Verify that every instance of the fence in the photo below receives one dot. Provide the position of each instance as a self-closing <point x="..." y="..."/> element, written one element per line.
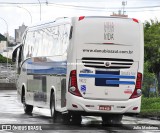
<point x="7" y="73"/>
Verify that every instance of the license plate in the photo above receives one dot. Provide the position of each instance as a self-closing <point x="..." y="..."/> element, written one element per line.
<point x="105" y="107"/>
<point x="102" y="81"/>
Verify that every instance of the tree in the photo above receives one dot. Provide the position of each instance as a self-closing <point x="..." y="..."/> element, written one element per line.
<point x="152" y="48"/>
<point x="148" y="80"/>
<point x="4" y="60"/>
<point x="2" y="38"/>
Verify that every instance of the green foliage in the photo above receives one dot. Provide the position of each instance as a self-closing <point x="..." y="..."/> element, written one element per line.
<point x="148" y="80"/>
<point x="150" y="106"/>
<point x="152" y="49"/>
<point x="4" y="60"/>
<point x="152" y="45"/>
<point x="2" y="38"/>
<point x="150" y="103"/>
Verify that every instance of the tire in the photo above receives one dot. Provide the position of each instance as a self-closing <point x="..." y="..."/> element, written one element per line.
<point x="27" y="108"/>
<point x="76" y="119"/>
<point x="106" y="119"/>
<point x="112" y="119"/>
<point x="54" y="113"/>
<point x="66" y="118"/>
<point x="118" y="119"/>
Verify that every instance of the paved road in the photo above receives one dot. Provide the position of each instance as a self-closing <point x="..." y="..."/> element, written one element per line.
<point x="11" y="112"/>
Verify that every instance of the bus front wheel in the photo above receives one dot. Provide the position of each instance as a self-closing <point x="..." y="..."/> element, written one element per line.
<point x="27" y="108"/>
<point x="54" y="113"/>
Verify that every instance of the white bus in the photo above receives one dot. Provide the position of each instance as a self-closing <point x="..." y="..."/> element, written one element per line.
<point x="82" y="66"/>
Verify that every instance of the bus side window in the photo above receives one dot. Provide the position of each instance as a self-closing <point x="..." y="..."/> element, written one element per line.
<point x="15" y="54"/>
<point x="20" y="54"/>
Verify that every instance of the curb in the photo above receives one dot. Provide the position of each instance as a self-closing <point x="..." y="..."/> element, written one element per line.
<point x="152" y="117"/>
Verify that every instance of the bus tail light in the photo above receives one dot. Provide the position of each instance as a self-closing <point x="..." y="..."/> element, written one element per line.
<point x="73" y="87"/>
<point x="135" y="20"/>
<point x="81" y="18"/>
<point x="137" y="92"/>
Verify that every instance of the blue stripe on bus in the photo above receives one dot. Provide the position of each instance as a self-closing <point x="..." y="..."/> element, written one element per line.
<point x="47" y="71"/>
<point x="53" y="63"/>
<point x="106" y="76"/>
<point x="116" y="82"/>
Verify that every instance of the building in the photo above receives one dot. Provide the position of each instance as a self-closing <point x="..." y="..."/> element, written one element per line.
<point x="3" y="43"/>
<point x="19" y="32"/>
<point x="3" y="46"/>
<point x="8" y="52"/>
<point x="119" y="14"/>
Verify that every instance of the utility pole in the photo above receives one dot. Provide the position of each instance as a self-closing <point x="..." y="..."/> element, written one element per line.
<point x="40" y="8"/>
<point x="7" y="36"/>
<point x="121" y="12"/>
<point x="27" y="11"/>
<point x="124" y="3"/>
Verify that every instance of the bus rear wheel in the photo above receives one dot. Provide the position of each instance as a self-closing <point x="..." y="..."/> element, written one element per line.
<point x="76" y="119"/>
<point x="66" y="118"/>
<point x="112" y="119"/>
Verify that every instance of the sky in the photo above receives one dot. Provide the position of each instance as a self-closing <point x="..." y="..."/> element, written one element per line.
<point x="14" y="13"/>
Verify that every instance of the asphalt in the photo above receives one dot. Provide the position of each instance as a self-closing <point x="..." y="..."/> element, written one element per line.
<point x="12" y="86"/>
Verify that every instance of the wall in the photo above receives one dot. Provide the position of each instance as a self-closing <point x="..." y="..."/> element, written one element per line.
<point x="7" y="86"/>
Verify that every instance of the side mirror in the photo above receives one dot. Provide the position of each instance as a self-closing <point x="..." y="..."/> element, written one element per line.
<point x="14" y="55"/>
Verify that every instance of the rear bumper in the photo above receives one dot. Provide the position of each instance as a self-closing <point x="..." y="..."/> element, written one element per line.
<point x="87" y="106"/>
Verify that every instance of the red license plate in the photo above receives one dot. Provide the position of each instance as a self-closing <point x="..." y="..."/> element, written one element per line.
<point x="105" y="107"/>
